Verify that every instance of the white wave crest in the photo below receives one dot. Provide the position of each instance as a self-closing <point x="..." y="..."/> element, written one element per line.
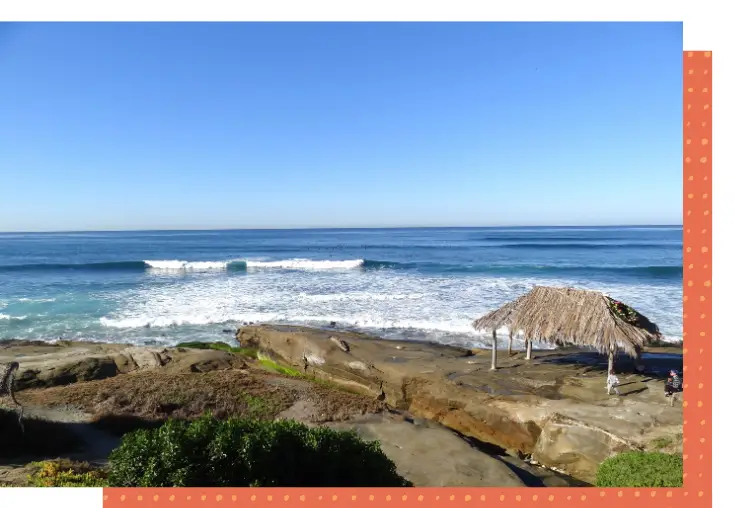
<point x="307" y="264"/>
<point x="8" y="317"/>
<point x="173" y="265"/>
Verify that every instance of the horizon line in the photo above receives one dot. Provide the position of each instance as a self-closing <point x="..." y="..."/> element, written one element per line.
<point x="334" y="228"/>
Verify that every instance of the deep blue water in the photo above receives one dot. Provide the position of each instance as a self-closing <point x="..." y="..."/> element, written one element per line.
<point x="166" y="286"/>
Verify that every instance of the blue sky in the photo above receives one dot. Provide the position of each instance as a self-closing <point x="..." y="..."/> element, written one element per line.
<point x="156" y="126"/>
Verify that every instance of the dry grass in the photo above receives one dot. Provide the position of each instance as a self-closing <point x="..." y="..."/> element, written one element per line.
<point x="129" y="401"/>
<point x="566" y="316"/>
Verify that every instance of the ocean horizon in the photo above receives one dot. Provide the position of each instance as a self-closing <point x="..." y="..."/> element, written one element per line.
<point x="161" y="287"/>
<point x="326" y="228"/>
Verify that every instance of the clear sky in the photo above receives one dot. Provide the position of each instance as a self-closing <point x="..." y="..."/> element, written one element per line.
<point x="157" y="126"/>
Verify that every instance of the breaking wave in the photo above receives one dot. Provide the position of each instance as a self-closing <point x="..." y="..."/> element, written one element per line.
<point x="173" y="265"/>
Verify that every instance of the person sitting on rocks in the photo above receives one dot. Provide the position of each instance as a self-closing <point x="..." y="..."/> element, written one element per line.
<point x="612" y="383"/>
<point x="673" y="384"/>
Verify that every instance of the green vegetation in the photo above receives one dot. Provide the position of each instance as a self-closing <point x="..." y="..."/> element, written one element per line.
<point x="662" y="442"/>
<point x="221" y="346"/>
<point x="275" y="367"/>
<point x="207" y="452"/>
<point x="65" y="473"/>
<point x="288" y="371"/>
<point x="641" y="469"/>
<point x="258" y="407"/>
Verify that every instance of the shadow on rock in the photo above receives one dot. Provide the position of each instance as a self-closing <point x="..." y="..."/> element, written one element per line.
<point x="37" y="438"/>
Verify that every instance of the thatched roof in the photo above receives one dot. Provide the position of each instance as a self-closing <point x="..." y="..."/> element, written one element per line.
<point x="566" y="316"/>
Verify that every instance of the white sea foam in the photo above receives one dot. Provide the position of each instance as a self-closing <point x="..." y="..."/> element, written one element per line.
<point x="307" y="264"/>
<point x="359" y="296"/>
<point x="36" y="300"/>
<point x="389" y="303"/>
<point x="185" y="319"/>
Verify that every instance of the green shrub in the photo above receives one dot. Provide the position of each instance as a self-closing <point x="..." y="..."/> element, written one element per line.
<point x="641" y="469"/>
<point x="207" y="452"/>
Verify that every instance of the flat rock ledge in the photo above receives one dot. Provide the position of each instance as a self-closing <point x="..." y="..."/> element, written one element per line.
<point x="43" y="365"/>
<point x="554" y="409"/>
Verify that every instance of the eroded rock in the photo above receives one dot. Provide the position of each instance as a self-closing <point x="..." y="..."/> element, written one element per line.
<point x="553" y="408"/>
<point x="431" y="456"/>
<point x="46" y="365"/>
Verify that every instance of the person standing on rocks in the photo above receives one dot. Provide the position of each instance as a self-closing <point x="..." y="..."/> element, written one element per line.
<point x="673" y="384"/>
<point x="612" y="383"/>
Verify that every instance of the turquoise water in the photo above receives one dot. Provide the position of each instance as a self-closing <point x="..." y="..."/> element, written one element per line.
<point x="160" y="287"/>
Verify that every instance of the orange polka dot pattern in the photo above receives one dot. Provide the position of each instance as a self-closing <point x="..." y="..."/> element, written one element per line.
<point x="697" y="400"/>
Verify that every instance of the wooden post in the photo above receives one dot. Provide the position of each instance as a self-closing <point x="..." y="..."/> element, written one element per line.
<point x="495" y="351"/>
<point x="610" y="359"/>
<point x="510" y="343"/>
<point x="529" y="348"/>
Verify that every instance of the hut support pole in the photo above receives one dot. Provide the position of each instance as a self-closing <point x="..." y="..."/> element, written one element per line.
<point x="510" y="343"/>
<point x="529" y="348"/>
<point x="495" y="351"/>
<point x="610" y="359"/>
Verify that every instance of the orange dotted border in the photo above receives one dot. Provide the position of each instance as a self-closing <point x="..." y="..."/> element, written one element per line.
<point x="697" y="490"/>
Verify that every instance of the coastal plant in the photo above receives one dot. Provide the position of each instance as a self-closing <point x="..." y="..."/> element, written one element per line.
<point x="276" y="367"/>
<point x="257" y="407"/>
<point x="641" y="469"/>
<point x="662" y="442"/>
<point x="207" y="452"/>
<point x="624" y="312"/>
<point x="65" y="473"/>
<point x="220" y="346"/>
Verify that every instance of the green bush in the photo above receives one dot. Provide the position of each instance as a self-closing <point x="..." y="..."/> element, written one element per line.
<point x="641" y="469"/>
<point x="248" y="453"/>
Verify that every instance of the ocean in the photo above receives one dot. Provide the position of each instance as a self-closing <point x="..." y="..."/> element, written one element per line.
<point x="164" y="287"/>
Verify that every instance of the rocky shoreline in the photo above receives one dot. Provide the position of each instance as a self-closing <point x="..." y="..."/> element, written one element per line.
<point x="439" y="412"/>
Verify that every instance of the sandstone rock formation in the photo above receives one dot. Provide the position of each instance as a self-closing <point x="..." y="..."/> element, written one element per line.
<point x="555" y="409"/>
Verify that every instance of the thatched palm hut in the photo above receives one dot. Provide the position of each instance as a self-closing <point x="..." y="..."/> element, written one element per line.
<point x="566" y="316"/>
